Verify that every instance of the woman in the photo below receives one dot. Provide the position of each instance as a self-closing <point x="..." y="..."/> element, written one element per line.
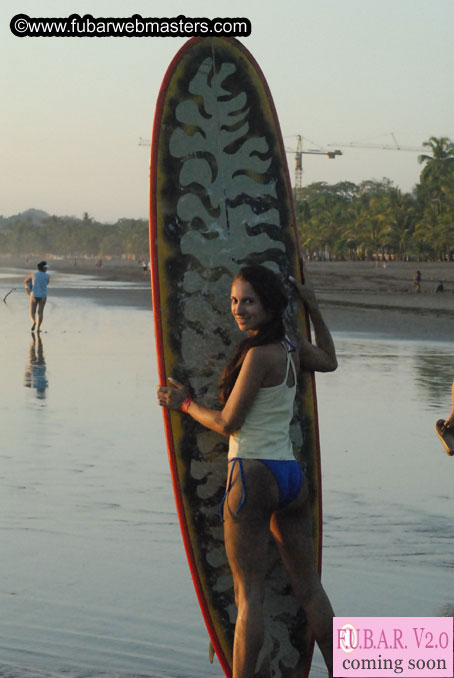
<point x="38" y="295"/>
<point x="266" y="490"/>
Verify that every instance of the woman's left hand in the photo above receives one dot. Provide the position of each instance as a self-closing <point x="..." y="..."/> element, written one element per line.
<point x="306" y="292"/>
<point x="172" y="396"/>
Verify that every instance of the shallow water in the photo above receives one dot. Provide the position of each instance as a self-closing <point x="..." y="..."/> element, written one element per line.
<point x="93" y="577"/>
<point x="387" y="480"/>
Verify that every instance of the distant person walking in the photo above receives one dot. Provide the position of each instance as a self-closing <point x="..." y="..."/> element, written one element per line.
<point x="38" y="294"/>
<point x="417" y="281"/>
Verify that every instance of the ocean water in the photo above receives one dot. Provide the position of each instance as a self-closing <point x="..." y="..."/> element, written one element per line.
<point x="93" y="576"/>
<point x="388" y="483"/>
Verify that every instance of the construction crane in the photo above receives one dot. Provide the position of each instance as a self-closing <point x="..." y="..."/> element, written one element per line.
<point x="384" y="147"/>
<point x="299" y="159"/>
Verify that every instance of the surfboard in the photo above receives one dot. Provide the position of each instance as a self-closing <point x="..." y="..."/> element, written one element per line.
<point x="220" y="197"/>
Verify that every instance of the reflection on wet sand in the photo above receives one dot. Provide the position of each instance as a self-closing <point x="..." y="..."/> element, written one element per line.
<point x="35" y="372"/>
<point x="434" y="373"/>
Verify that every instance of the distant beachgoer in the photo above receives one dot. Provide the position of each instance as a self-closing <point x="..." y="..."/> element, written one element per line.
<point x="417" y="281"/>
<point x="440" y="287"/>
<point x="38" y="296"/>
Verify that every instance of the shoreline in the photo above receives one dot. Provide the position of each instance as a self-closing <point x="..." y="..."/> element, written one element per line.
<point x="114" y="270"/>
<point x="360" y="297"/>
<point x="355" y="297"/>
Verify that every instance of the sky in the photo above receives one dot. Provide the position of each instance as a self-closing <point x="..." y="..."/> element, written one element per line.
<point x="73" y="109"/>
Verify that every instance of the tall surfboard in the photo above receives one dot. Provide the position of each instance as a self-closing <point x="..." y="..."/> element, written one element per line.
<point x="220" y="197"/>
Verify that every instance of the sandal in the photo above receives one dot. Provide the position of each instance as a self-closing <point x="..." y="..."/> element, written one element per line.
<point x="446" y="436"/>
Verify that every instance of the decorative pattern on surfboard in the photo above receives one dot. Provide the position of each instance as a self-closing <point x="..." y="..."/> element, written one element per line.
<point x="221" y="197"/>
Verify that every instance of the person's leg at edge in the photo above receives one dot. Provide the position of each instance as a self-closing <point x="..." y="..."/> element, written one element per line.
<point x="41" y="305"/>
<point x="292" y="529"/>
<point x="246" y="540"/>
<point x="33" y="305"/>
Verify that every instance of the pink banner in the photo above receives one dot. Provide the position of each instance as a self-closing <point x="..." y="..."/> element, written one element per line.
<point x="390" y="646"/>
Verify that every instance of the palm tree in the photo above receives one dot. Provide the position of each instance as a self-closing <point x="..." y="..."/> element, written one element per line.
<point x="435" y="194"/>
<point x="438" y="167"/>
<point x="442" y="149"/>
<point x="405" y="215"/>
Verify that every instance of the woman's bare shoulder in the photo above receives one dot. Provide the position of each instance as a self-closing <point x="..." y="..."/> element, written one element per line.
<point x="267" y="357"/>
<point x="265" y="351"/>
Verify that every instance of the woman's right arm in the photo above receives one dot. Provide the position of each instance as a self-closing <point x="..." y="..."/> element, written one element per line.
<point x="231" y="417"/>
<point x="321" y="356"/>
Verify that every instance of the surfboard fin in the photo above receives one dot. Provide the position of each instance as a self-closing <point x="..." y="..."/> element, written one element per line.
<point x="211" y="652"/>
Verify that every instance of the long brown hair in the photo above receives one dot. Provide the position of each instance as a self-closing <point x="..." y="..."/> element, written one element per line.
<point x="273" y="298"/>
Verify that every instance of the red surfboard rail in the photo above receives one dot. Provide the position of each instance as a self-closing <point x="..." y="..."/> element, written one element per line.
<point x="163" y="377"/>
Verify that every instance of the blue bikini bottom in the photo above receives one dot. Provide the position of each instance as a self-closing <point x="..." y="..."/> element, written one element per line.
<point x="287" y="474"/>
<point x="289" y="478"/>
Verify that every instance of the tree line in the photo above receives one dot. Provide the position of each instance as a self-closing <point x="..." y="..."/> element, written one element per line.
<point x="376" y="219"/>
<point x="335" y="221"/>
<point x="37" y="233"/>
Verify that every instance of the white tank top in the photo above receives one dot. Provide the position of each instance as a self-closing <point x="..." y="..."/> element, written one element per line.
<point x="265" y="431"/>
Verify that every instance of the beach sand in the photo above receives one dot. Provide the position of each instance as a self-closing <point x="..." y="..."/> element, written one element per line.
<point x="360" y="297"/>
<point x="356" y="297"/>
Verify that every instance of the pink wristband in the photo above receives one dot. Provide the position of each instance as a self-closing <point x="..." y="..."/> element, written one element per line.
<point x="185" y="404"/>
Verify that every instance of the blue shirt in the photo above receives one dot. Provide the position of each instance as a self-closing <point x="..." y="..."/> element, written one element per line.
<point x="40" y="282"/>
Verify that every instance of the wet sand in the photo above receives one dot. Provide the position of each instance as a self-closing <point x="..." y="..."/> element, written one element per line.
<point x="122" y="283"/>
<point x="357" y="297"/>
<point x="94" y="581"/>
<point x="360" y="297"/>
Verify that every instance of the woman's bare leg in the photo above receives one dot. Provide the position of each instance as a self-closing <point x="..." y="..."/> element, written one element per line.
<point x="246" y="539"/>
<point x="292" y="530"/>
